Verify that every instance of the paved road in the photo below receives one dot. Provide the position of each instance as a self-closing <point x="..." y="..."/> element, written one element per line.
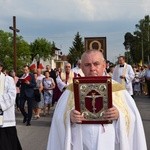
<point x="35" y="137"/>
<point x="143" y="104"/>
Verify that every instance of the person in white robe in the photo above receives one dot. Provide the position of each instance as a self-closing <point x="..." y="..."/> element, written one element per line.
<point x="8" y="133"/>
<point x="124" y="74"/>
<point x="78" y="69"/>
<point x="125" y="133"/>
<point x="65" y="77"/>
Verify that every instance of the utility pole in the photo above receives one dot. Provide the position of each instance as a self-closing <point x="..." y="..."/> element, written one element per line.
<point x="142" y="50"/>
<point x="14" y="42"/>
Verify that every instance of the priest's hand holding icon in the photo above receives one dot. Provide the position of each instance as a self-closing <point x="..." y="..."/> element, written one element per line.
<point x="111" y="114"/>
<point x="76" y="116"/>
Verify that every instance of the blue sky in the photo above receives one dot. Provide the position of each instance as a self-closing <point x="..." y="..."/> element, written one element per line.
<point x="60" y="20"/>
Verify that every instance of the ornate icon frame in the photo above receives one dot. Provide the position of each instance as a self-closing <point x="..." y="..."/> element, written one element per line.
<point x="93" y="96"/>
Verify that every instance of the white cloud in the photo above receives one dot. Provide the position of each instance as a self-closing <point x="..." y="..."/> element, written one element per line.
<point x="87" y="8"/>
<point x="59" y="20"/>
<point x="70" y="10"/>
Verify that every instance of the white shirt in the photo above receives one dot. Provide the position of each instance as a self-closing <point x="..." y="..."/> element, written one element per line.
<point x="7" y="102"/>
<point x="129" y="74"/>
<point x="40" y="77"/>
<point x="78" y="70"/>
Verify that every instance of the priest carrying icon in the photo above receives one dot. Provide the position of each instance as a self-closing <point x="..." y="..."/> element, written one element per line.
<point x="124" y="133"/>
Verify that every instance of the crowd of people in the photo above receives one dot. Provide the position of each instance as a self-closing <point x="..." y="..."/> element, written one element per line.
<point x="33" y="94"/>
<point x="38" y="91"/>
<point x="138" y="76"/>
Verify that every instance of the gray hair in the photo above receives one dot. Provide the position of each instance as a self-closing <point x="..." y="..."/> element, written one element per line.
<point x="91" y="50"/>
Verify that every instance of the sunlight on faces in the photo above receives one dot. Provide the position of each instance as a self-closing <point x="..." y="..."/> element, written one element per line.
<point x="93" y="63"/>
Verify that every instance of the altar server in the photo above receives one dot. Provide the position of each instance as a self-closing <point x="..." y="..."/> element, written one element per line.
<point x="124" y="74"/>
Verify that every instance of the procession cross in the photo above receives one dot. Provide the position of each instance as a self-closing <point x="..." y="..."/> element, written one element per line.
<point x="15" y="30"/>
<point x="93" y="97"/>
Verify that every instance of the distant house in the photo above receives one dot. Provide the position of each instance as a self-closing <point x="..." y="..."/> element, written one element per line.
<point x="59" y="60"/>
<point x="56" y="61"/>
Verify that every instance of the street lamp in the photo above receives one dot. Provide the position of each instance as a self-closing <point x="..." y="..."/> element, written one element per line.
<point x="14" y="41"/>
<point x="142" y="50"/>
<point x="148" y="21"/>
<point x="145" y="26"/>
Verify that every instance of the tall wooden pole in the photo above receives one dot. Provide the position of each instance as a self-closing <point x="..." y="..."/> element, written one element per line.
<point x="14" y="42"/>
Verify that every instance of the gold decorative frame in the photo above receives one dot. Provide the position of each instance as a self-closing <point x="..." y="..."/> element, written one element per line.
<point x="93" y="96"/>
<point x="98" y="43"/>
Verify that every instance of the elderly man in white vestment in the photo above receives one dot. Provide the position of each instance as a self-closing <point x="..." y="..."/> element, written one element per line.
<point x="78" y="69"/>
<point x="125" y="133"/>
<point x="124" y="74"/>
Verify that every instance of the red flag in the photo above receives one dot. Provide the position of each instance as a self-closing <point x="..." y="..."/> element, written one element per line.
<point x="33" y="65"/>
<point x="41" y="66"/>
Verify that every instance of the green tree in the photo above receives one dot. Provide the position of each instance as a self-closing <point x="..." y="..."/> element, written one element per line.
<point x="143" y="35"/>
<point x="76" y="50"/>
<point x="7" y="53"/>
<point x="139" y="41"/>
<point x="24" y="53"/>
<point x="41" y="48"/>
<point x="132" y="51"/>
